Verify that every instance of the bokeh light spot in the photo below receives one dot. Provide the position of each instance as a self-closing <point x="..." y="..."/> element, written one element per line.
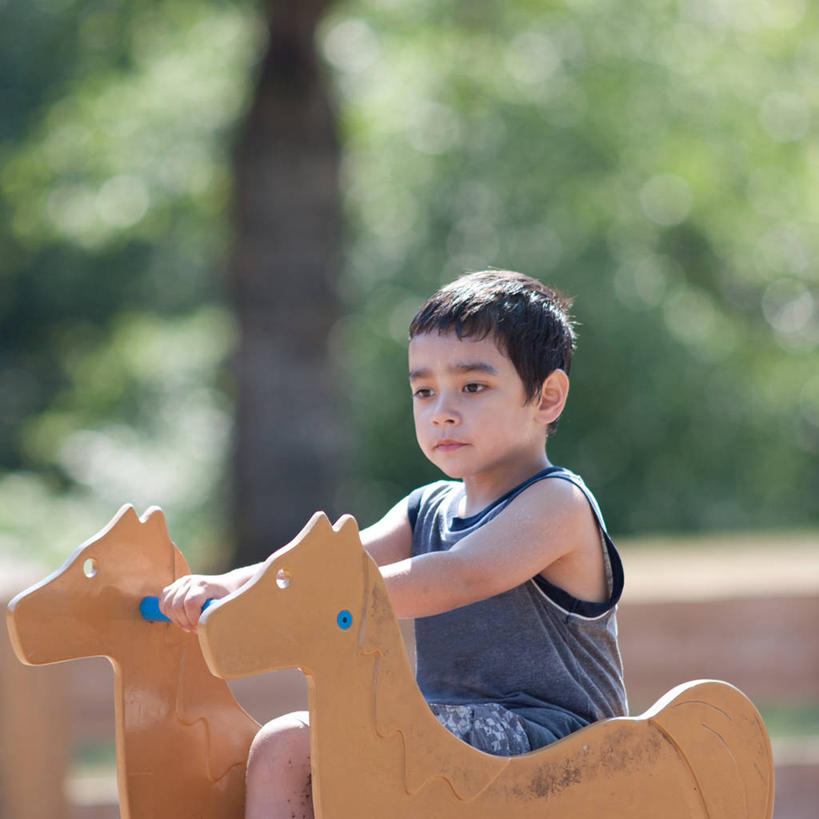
<point x="785" y="116"/>
<point x="790" y="309"/>
<point x="351" y="46"/>
<point x="666" y="199"/>
<point x="122" y="201"/>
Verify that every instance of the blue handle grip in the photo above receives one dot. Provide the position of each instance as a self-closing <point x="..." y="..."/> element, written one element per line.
<point x="149" y="609"/>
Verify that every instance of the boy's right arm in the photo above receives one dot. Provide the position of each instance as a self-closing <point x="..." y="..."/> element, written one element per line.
<point x="387" y="541"/>
<point x="182" y="600"/>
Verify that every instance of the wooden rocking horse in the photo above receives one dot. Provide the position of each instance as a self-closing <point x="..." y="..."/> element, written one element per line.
<point x="377" y="751"/>
<point x="320" y="604"/>
<point x="182" y="739"/>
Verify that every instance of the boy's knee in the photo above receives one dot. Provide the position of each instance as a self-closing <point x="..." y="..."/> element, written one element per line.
<point x="280" y="746"/>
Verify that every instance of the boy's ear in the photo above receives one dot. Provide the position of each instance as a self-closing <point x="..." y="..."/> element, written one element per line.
<point x="553" y="395"/>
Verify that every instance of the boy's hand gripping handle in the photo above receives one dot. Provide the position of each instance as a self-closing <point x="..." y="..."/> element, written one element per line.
<point x="149" y="609"/>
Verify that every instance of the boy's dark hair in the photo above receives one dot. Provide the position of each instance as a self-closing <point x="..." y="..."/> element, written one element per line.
<point x="529" y="321"/>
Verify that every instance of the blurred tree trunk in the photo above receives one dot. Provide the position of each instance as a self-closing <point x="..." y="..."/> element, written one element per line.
<point x="283" y="275"/>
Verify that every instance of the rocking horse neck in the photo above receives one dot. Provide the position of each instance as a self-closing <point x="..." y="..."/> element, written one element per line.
<point x="145" y="677"/>
<point x="349" y="697"/>
<point x="146" y="662"/>
<point x="325" y="691"/>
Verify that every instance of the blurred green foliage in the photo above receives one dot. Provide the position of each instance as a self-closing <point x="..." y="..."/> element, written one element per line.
<point x="659" y="163"/>
<point x="115" y="129"/>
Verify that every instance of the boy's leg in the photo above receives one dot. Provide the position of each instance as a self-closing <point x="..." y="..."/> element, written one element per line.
<point x="278" y="770"/>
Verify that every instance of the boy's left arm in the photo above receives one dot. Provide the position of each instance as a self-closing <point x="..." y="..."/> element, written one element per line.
<point x="390" y="539"/>
<point x="550" y="521"/>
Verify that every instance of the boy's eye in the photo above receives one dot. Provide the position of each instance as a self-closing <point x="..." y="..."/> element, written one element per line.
<point x="422" y="392"/>
<point x="474" y="387"/>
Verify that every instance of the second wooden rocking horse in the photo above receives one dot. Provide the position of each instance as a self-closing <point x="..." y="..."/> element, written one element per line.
<point x="320" y="604"/>
<point x="182" y="739"/>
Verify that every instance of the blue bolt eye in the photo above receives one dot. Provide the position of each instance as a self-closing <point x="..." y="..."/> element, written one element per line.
<point x="344" y="619"/>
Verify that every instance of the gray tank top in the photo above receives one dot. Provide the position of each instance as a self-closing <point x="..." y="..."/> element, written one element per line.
<point x="535" y="649"/>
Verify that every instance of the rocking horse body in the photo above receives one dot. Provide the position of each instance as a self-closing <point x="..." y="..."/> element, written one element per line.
<point x="182" y="739"/>
<point x="377" y="750"/>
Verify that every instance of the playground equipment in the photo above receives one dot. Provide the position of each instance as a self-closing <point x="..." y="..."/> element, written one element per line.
<point x="182" y="739"/>
<point x="321" y="605"/>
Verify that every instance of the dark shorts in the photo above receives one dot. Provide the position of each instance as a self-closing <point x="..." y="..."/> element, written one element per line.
<point x="488" y="727"/>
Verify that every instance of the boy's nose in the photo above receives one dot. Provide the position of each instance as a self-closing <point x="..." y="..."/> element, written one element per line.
<point x="445" y="414"/>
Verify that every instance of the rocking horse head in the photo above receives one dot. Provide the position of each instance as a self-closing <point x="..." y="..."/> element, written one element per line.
<point x="306" y="608"/>
<point x="89" y="607"/>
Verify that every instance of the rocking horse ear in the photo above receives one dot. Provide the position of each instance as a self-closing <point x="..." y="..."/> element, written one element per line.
<point x="316" y="529"/>
<point x="125" y="518"/>
<point x="319" y="524"/>
<point x="347" y="527"/>
<point x="155" y="530"/>
<point x="154" y="522"/>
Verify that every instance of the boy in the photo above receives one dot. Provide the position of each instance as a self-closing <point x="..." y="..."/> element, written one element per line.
<point x="509" y="572"/>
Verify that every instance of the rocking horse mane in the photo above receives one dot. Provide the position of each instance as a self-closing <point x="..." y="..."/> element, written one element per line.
<point x="399" y="707"/>
<point x="220" y="738"/>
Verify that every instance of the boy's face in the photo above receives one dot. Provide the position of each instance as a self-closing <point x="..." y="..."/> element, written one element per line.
<point x="470" y="410"/>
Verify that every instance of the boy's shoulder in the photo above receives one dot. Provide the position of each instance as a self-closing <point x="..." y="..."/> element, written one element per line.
<point x="428" y="493"/>
<point x="554" y="490"/>
<point x="567" y="492"/>
<point x="555" y="493"/>
<point x="560" y="494"/>
<point x="434" y="488"/>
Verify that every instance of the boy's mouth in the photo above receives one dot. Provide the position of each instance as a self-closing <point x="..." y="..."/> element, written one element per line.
<point x="448" y="445"/>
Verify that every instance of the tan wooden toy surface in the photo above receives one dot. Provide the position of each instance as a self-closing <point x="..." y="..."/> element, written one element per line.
<point x="182" y="740"/>
<point x="378" y="751"/>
